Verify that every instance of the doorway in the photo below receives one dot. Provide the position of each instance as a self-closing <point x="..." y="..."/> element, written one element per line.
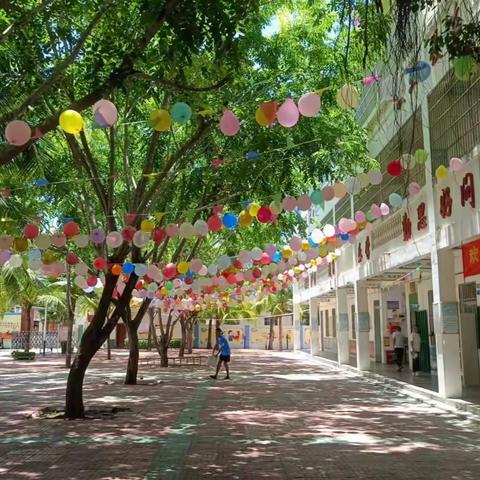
<point x="377" y="325"/>
<point x="421" y="321"/>
<point x="121" y="335"/>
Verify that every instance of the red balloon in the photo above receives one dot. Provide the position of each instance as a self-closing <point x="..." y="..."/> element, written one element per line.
<point x="232" y="279"/>
<point x="264" y="214"/>
<point x="130" y="218"/>
<point x="214" y="223"/>
<point x="128" y="233"/>
<point x="31" y="231"/>
<point x="139" y="285"/>
<point x="265" y="259"/>
<point x="169" y="271"/>
<point x="188" y="280"/>
<point x="100" y="263"/>
<point x="394" y="168"/>
<point x="159" y="235"/>
<point x="237" y="264"/>
<point x="91" y="281"/>
<point x="257" y="273"/>
<point x="71" y="229"/>
<point x="71" y="258"/>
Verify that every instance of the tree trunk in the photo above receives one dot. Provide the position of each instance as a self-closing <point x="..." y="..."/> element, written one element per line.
<point x="70" y="320"/>
<point x="271" y="334"/>
<point x="183" y="343"/>
<point x="190" y="338"/>
<point x="163" y="353"/>
<point x="209" y="339"/>
<point x="280" y="334"/>
<point x="109" y="350"/>
<point x="26" y="322"/>
<point x="133" y="355"/>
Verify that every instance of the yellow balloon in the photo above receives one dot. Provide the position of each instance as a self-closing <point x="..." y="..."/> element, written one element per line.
<point x="253" y="209"/>
<point x="70" y="121"/>
<point x="197" y="307"/>
<point x="276" y="207"/>
<point x="441" y="172"/>
<point x="323" y="252"/>
<point x="20" y="244"/>
<point x="286" y="252"/>
<point x="305" y="245"/>
<point x="244" y="219"/>
<point x="160" y="120"/>
<point x="147" y="226"/>
<point x="159" y="216"/>
<point x="261" y="118"/>
<point x="182" y="267"/>
<point x="163" y="291"/>
<point x="48" y="257"/>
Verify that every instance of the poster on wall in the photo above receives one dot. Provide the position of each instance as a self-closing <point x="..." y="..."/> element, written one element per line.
<point x="471" y="258"/>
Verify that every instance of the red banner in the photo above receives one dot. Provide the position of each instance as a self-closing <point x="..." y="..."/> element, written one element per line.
<point x="471" y="258"/>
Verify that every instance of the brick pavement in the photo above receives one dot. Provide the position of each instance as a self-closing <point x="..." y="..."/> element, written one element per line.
<point x="281" y="417"/>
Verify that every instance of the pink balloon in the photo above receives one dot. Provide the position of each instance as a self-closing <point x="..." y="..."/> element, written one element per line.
<point x="171" y="229"/>
<point x="296" y="244"/>
<point x="304" y="202"/>
<point x="344" y="225"/>
<point x="270" y="249"/>
<point x="195" y="265"/>
<point x="384" y="209"/>
<point x="360" y="217"/>
<point x="309" y="104"/>
<point x="289" y="203"/>
<point x="288" y="114"/>
<point x="457" y="165"/>
<point x="18" y="132"/>
<point x="375" y="210"/>
<point x="328" y="193"/>
<point x="105" y="113"/>
<point x="414" y="189"/>
<point x="229" y="123"/>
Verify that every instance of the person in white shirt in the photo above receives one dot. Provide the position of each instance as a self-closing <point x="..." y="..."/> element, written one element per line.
<point x="399" y="346"/>
<point x="415" y="350"/>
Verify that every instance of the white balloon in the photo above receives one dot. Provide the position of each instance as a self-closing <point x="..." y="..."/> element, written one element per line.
<point x="15" y="261"/>
<point x="81" y="241"/>
<point x="256" y="253"/>
<point x="186" y="230"/>
<point x="363" y="179"/>
<point x="140" y="269"/>
<point x="224" y="262"/>
<point x="81" y="282"/>
<point x="140" y="239"/>
<point x="43" y="241"/>
<point x="375" y="176"/>
<point x="317" y="235"/>
<point x="114" y="239"/>
<point x="201" y="228"/>
<point x="212" y="270"/>
<point x="34" y="264"/>
<point x="81" y="269"/>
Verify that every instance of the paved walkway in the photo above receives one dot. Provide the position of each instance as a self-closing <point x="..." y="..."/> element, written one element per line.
<point x="281" y="417"/>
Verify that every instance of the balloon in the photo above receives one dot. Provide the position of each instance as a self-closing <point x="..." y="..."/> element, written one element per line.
<point x="31" y="231"/>
<point x="20" y="244"/>
<point x="100" y="263"/>
<point x="457" y="165"/>
<point x="384" y="209"/>
<point x="276" y="207"/>
<point x="201" y="228"/>
<point x="229" y="124"/>
<point x="59" y="240"/>
<point x="81" y="282"/>
<point x="339" y="190"/>
<point x="98" y="236"/>
<point x="304" y="202"/>
<point x="288" y="114"/>
<point x="186" y="230"/>
<point x="256" y="253"/>
<point x="140" y="239"/>
<point x="159" y="235"/>
<point x="421" y="156"/>
<point x="265" y="259"/>
<point x="71" y="229"/>
<point x="230" y="220"/>
<point x="360" y="217"/>
<point x="18" y="133"/>
<point x="195" y="265"/>
<point x="414" y="189"/>
<point x="182" y="267"/>
<point x="441" y="173"/>
<point x="465" y="68"/>
<point x="214" y="223"/>
<point x="375" y="211"/>
<point x="286" y="252"/>
<point x="253" y="209"/>
<point x="264" y="214"/>
<point x="420" y="72"/>
<point x="245" y="219"/>
<point x="395" y="200"/>
<point x="105" y="113"/>
<point x="224" y="262"/>
<point x="169" y="271"/>
<point x="317" y="235"/>
<point x="363" y="179"/>
<point x="316" y="197"/>
<point x="116" y="269"/>
<point x="309" y="104"/>
<point x="81" y="241"/>
<point x="252" y="155"/>
<point x="160" y="120"/>
<point x="394" y="168"/>
<point x="147" y="226"/>
<point x="128" y="233"/>
<point x="329" y="231"/>
<point x="348" y="97"/>
<point x="407" y="161"/>
<point x="289" y="203"/>
<point x="181" y="112"/>
<point x="328" y="193"/>
<point x="71" y="121"/>
<point x="266" y="113"/>
<point x="114" y="239"/>
<point x="375" y="177"/>
<point x="171" y="230"/>
<point x="344" y="225"/>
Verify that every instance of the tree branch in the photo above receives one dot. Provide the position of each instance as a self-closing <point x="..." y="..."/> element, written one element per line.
<point x="177" y="86"/>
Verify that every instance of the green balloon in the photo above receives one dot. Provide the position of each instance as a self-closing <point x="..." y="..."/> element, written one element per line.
<point x="465" y="68"/>
<point x="168" y="285"/>
<point x="421" y="156"/>
<point x="317" y="197"/>
<point x="370" y="216"/>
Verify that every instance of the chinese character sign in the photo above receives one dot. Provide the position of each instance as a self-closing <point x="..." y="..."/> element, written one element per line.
<point x="422" y="217"/>
<point x="471" y="258"/>
<point x="446" y="203"/>
<point x="467" y="190"/>
<point x="407" y="228"/>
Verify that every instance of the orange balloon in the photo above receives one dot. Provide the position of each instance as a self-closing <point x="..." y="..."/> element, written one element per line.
<point x="269" y="110"/>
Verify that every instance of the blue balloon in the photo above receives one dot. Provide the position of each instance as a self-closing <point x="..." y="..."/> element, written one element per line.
<point x="41" y="182"/>
<point x="420" y="72"/>
<point x="344" y="236"/>
<point x="190" y="274"/>
<point x="128" y="268"/>
<point x="276" y="257"/>
<point x="181" y="112"/>
<point x="311" y="242"/>
<point x="252" y="155"/>
<point x="230" y="220"/>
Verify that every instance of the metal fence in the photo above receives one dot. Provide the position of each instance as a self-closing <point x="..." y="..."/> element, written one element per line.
<point x="24" y="340"/>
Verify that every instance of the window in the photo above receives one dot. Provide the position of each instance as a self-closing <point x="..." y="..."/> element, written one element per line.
<point x="267" y="320"/>
<point x="17" y="309"/>
<point x="334" y="324"/>
<point x="354" y="334"/>
<point x="327" y="324"/>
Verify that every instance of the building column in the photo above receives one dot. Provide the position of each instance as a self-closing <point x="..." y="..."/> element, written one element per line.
<point x="446" y="321"/>
<point x="362" y="325"/>
<point x="383" y="321"/>
<point x="314" y="326"/>
<point x="342" y="327"/>
<point x="409" y="322"/>
<point x="296" y="327"/>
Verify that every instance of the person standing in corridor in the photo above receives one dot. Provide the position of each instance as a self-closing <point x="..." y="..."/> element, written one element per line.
<point x="415" y="350"/>
<point x="399" y="346"/>
<point x="223" y="348"/>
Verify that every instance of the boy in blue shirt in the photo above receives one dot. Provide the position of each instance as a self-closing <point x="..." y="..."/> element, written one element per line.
<point x="223" y="349"/>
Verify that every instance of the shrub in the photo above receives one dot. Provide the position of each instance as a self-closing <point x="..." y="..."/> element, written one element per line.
<point x="17" y="355"/>
<point x="143" y="344"/>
